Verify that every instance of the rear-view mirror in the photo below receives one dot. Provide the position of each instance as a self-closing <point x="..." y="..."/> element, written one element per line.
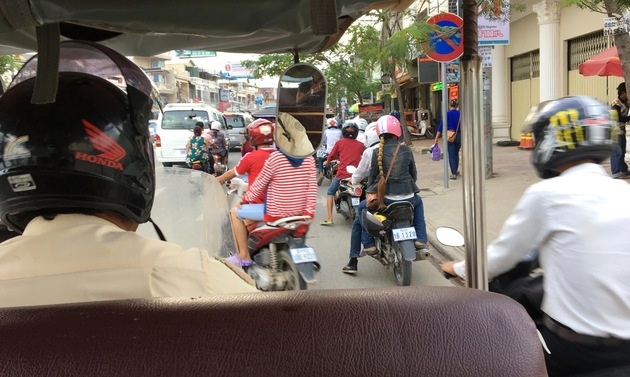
<point x="301" y="110"/>
<point x="449" y="237"/>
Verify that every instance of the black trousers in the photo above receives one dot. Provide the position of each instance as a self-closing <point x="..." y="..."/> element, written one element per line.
<point x="567" y="358"/>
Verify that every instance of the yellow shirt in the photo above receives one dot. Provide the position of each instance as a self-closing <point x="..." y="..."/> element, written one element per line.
<point x="79" y="258"/>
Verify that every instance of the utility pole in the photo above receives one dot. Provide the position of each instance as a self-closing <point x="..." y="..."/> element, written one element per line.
<point x="473" y="147"/>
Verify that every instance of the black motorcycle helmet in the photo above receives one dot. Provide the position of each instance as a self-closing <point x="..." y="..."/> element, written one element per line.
<point x="569" y="129"/>
<point x="89" y="150"/>
<point x="350" y="130"/>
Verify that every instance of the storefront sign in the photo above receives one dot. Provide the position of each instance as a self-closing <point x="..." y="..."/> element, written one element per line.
<point x="452" y="71"/>
<point x="493" y="25"/>
<point x="436" y="87"/>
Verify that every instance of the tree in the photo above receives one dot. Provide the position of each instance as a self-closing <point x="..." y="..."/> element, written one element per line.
<point x="8" y="65"/>
<point x="343" y="78"/>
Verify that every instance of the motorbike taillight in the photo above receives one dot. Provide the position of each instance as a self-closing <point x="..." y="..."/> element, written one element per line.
<point x="301" y="230"/>
<point x="358" y="191"/>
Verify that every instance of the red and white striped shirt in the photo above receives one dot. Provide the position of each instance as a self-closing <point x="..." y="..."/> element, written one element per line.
<point x="291" y="191"/>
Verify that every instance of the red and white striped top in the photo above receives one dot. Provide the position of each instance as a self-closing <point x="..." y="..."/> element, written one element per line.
<point x="291" y="191"/>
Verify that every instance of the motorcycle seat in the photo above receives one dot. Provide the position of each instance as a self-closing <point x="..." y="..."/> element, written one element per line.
<point x="285" y="220"/>
<point x="399" y="210"/>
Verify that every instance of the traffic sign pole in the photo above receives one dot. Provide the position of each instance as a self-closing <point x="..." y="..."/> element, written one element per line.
<point x="445" y="123"/>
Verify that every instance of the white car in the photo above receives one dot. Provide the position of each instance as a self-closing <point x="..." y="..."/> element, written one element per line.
<point x="176" y="126"/>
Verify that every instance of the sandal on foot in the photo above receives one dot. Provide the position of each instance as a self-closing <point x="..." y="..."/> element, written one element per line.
<point x="326" y="223"/>
<point x="237" y="261"/>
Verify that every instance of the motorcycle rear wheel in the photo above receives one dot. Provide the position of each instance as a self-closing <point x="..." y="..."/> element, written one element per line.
<point x="286" y="264"/>
<point x="402" y="267"/>
<point x="429" y="133"/>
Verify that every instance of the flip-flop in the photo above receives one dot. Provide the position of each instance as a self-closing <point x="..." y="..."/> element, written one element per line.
<point x="326" y="223"/>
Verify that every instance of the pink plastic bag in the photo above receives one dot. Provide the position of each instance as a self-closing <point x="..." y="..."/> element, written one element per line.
<point x="435" y="152"/>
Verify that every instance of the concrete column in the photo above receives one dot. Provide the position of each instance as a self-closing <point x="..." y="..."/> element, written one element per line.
<point x="500" y="91"/>
<point x="548" y="13"/>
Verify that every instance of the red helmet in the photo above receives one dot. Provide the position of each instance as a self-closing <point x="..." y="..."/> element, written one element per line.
<point x="260" y="131"/>
<point x="388" y="124"/>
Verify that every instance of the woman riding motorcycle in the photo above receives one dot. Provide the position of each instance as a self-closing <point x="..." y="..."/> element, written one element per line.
<point x="401" y="184"/>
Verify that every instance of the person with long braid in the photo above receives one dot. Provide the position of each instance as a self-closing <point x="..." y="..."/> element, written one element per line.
<point x="401" y="184"/>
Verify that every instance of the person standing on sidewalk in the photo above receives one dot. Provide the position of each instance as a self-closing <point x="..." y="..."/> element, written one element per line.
<point x="618" y="166"/>
<point x="573" y="218"/>
<point x="452" y="124"/>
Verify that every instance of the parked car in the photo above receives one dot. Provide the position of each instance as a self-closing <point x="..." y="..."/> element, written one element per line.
<point x="176" y="126"/>
<point x="237" y="127"/>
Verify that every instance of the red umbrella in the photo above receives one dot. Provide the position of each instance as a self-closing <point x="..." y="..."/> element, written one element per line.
<point x="606" y="63"/>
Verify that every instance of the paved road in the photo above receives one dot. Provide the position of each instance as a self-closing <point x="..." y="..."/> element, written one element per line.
<point x="331" y="243"/>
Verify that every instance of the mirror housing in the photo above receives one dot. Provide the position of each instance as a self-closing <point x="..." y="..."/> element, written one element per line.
<point x="301" y="112"/>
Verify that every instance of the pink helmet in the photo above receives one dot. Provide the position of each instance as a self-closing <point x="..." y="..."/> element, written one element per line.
<point x="388" y="124"/>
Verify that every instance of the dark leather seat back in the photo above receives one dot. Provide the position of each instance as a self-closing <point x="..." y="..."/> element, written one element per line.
<point x="423" y="331"/>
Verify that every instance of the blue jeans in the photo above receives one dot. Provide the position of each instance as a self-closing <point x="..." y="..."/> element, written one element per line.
<point x="453" y="153"/>
<point x="320" y="164"/>
<point x="334" y="186"/>
<point x="418" y="222"/>
<point x="357" y="233"/>
<point x="617" y="159"/>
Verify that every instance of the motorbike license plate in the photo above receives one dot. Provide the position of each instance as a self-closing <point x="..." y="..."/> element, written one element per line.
<point x="303" y="255"/>
<point x="355" y="201"/>
<point x="402" y="234"/>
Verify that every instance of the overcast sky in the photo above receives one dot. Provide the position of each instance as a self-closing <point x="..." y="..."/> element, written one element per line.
<point x="217" y="63"/>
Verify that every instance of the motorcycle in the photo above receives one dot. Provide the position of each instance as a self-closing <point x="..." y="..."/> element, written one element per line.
<point x="219" y="168"/>
<point x="282" y="260"/>
<point x="394" y="236"/>
<point x="330" y="171"/>
<point x="348" y="197"/>
<point x="523" y="282"/>
<point x="422" y="128"/>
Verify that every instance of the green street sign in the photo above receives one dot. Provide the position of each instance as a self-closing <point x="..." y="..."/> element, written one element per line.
<point x="195" y="53"/>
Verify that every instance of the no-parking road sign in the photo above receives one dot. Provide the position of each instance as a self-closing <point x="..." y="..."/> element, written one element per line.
<point x="447" y="44"/>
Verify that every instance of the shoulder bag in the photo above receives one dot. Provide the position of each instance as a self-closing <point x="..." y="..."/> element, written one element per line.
<point x="450" y="134"/>
<point x="376" y="200"/>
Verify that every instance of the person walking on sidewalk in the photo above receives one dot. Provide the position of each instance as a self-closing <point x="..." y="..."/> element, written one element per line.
<point x="573" y="218"/>
<point x="453" y="123"/>
<point x="618" y="166"/>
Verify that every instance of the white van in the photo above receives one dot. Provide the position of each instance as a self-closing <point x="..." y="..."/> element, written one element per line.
<point x="176" y="126"/>
<point x="237" y="127"/>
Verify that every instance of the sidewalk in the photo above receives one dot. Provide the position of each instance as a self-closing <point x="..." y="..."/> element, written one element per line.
<point x="512" y="174"/>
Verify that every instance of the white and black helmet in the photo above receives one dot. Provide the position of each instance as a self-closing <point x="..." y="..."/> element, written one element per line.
<point x="570" y="129"/>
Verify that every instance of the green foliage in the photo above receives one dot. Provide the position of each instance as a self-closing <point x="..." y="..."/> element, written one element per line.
<point x="8" y="65"/>
<point x="595" y="5"/>
<point x="269" y="65"/>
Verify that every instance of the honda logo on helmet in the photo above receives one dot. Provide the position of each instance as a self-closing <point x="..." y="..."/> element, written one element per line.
<point x="111" y="154"/>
